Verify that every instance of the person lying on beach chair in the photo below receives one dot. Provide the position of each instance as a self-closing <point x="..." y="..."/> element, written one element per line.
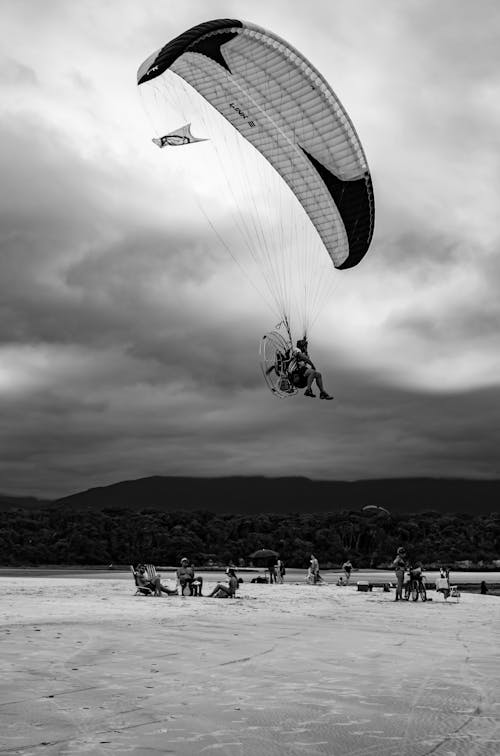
<point x="226" y="590"/>
<point x="142" y="588"/>
<point x="146" y="576"/>
<point x="187" y="579"/>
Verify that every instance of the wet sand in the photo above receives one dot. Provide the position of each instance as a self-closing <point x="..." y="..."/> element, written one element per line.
<point x="87" y="667"/>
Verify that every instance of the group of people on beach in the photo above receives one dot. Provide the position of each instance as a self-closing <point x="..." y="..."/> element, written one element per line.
<point x="313" y="576"/>
<point x="402" y="565"/>
<point x="276" y="569"/>
<point x="187" y="582"/>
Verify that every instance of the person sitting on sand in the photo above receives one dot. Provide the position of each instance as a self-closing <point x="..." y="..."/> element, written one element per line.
<point x="226" y="590"/>
<point x="186" y="578"/>
<point x="154" y="584"/>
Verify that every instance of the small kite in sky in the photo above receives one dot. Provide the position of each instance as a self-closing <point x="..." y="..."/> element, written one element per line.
<point x="178" y="137"/>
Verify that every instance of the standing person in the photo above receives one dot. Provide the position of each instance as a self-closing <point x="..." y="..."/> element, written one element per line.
<point x="271" y="566"/>
<point x="315" y="569"/>
<point x="347" y="567"/>
<point x="484" y="588"/>
<point x="280" y="570"/>
<point x="400" y="565"/>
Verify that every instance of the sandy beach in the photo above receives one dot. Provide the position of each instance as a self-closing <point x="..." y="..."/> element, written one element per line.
<point x="88" y="667"/>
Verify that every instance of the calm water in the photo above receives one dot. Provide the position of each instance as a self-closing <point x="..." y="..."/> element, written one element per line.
<point x="292" y="575"/>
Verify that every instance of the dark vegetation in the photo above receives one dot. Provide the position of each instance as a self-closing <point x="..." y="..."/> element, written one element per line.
<point x="222" y="520"/>
<point x="60" y="535"/>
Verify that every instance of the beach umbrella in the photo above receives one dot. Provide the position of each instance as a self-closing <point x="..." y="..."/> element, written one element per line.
<point x="263" y="554"/>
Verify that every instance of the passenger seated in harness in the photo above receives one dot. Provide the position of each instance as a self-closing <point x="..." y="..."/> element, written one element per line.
<point x="303" y="373"/>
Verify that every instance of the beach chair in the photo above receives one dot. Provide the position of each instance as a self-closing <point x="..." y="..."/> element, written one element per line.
<point x="454" y="592"/>
<point x="141" y="589"/>
<point x="196" y="586"/>
<point x="151" y="572"/>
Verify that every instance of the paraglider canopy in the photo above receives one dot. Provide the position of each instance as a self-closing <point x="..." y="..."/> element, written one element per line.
<point x="277" y="100"/>
<point x="263" y="554"/>
<point x="374" y="508"/>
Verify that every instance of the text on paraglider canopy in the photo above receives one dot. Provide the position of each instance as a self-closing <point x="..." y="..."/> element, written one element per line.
<point x="242" y="114"/>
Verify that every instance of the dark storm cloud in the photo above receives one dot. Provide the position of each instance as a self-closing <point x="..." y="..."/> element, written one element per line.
<point x="129" y="339"/>
<point x="74" y="269"/>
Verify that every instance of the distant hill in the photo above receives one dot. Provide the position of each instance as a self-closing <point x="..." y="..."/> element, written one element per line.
<point x="22" y="502"/>
<point x="251" y="495"/>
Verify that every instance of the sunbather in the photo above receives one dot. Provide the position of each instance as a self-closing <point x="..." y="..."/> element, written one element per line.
<point x="154" y="584"/>
<point x="226" y="590"/>
<point x="186" y="578"/>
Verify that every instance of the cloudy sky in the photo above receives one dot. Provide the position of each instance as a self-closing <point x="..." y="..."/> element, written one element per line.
<point x="129" y="339"/>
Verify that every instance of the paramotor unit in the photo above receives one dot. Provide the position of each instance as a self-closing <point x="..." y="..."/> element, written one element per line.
<point x="275" y="355"/>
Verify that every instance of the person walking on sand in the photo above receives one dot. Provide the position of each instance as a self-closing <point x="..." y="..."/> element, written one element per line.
<point x="280" y="570"/>
<point x="399" y="565"/>
<point x="347" y="567"/>
<point x="315" y="569"/>
<point x="271" y="566"/>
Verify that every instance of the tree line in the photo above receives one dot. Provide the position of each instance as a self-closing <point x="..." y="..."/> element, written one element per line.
<point x="61" y="537"/>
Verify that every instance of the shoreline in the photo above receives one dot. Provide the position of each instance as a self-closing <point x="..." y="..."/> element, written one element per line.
<point x="218" y="568"/>
<point x="464" y="580"/>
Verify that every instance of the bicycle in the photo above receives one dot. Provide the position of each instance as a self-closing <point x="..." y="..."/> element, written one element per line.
<point x="415" y="585"/>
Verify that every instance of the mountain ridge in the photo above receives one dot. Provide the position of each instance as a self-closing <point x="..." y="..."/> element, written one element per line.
<point x="261" y="494"/>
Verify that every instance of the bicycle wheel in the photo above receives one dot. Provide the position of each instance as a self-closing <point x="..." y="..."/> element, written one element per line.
<point x="414" y="591"/>
<point x="423" y="592"/>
